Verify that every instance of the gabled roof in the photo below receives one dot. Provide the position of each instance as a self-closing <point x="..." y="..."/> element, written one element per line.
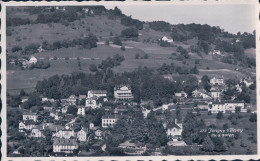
<point x="171" y="125"/>
<point x="28" y="122"/>
<point x="98" y="91"/>
<point x="117" y="87"/>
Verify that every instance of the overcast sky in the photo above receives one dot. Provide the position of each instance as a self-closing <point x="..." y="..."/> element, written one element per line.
<point x="231" y="18"/>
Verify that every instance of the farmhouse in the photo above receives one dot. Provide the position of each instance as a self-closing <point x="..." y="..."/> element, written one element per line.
<point x="30" y="116"/>
<point x="181" y="94"/>
<point x="97" y="93"/>
<point x="198" y="93"/>
<point x="109" y="120"/>
<point x="64" y="145"/>
<point x="123" y="92"/>
<point x="82" y="134"/>
<point x="166" y="39"/>
<point x="32" y="60"/>
<point x="217" y="81"/>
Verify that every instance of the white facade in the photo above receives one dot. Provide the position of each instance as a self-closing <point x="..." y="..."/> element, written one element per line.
<point x="219" y="81"/>
<point x="32" y="60"/>
<point x="91" y="102"/>
<point x="30" y="116"/>
<point x="81" y="111"/>
<point x="217" y="107"/>
<point x="25" y="126"/>
<point x="108" y="121"/>
<point x="123" y="93"/>
<point x="226" y="106"/>
<point x="231" y="106"/>
<point x="181" y="94"/>
<point x="200" y="94"/>
<point x="166" y="39"/>
<point x="175" y="130"/>
<point x="98" y="134"/>
<point x="97" y="93"/>
<point x="65" y="133"/>
<point x="82" y="135"/>
<point x="36" y="133"/>
<point x="215" y="94"/>
<point x="64" y="145"/>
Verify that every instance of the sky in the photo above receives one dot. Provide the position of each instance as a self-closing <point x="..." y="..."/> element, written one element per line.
<point x="230" y="17"/>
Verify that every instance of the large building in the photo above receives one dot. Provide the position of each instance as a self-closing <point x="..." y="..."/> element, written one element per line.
<point x="62" y="145"/>
<point x="97" y="93"/>
<point x="231" y="106"/>
<point x="217" y="81"/>
<point x="123" y="92"/>
<point x="30" y="116"/>
<point x="92" y="102"/>
<point x="109" y="120"/>
<point x="66" y="133"/>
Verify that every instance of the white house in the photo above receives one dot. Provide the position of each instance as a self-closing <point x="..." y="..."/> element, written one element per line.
<point x="82" y="134"/>
<point x="215" y="94"/>
<point x="26" y="125"/>
<point x="32" y="60"/>
<point x="123" y="92"/>
<point x="81" y="111"/>
<point x="36" y="132"/>
<point x="24" y="99"/>
<point x="66" y="133"/>
<point x="247" y="82"/>
<point x="92" y="102"/>
<point x="109" y="120"/>
<point x="217" y="81"/>
<point x="231" y="106"/>
<point x="132" y="148"/>
<point x="215" y="52"/>
<point x="215" y="107"/>
<point x="97" y="93"/>
<point x="64" y="145"/>
<point x="174" y="130"/>
<point x="72" y="99"/>
<point x="30" y="116"/>
<point x="98" y="134"/>
<point x="181" y="94"/>
<point x="200" y="94"/>
<point x="166" y="39"/>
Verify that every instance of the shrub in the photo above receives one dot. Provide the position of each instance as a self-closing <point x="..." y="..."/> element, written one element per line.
<point x="129" y="33"/>
<point x="16" y="48"/>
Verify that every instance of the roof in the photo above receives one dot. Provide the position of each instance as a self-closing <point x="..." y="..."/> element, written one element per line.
<point x="171" y="125"/>
<point x="29" y="122"/>
<point x="117" y="87"/>
<point x="98" y="91"/>
<point x="30" y="113"/>
<point x="110" y="117"/>
<point x="63" y="141"/>
<point x="82" y="96"/>
<point x="202" y="103"/>
<point x="53" y="127"/>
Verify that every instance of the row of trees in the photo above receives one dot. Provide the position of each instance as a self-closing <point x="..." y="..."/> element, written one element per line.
<point x="170" y="69"/>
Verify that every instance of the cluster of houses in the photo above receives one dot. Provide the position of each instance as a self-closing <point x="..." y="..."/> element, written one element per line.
<point x="66" y="139"/>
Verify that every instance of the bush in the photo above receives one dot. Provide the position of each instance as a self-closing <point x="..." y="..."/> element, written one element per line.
<point x="123" y="48"/>
<point x="160" y="26"/>
<point x="128" y="21"/>
<point x="129" y="33"/>
<point x="220" y="115"/>
<point x="253" y="117"/>
<point x="117" y="41"/>
<point x="93" y="68"/>
<point x="16" y="48"/>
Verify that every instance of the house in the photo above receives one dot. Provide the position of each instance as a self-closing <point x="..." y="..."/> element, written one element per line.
<point x="215" y="107"/>
<point x="82" y="134"/>
<point x="216" y="52"/>
<point x="97" y="93"/>
<point x="215" y="93"/>
<point x="26" y="125"/>
<point x="123" y="92"/>
<point x="132" y="148"/>
<point x="24" y="99"/>
<point x="32" y="60"/>
<point x="248" y="81"/>
<point x="37" y="132"/>
<point x="239" y="89"/>
<point x="72" y="100"/>
<point x="166" y="39"/>
<point x="30" y="116"/>
<point x="81" y="97"/>
<point x="64" y="145"/>
<point x="64" y="109"/>
<point x="40" y="49"/>
<point x="231" y="106"/>
<point x="217" y="81"/>
<point x="98" y="133"/>
<point x="202" y="106"/>
<point x="91" y="126"/>
<point x="81" y="111"/>
<point x="198" y="93"/>
<point x="181" y="94"/>
<point x="92" y="102"/>
<point x="174" y="130"/>
<point x="109" y="120"/>
<point x="56" y="115"/>
<point x="166" y="106"/>
<point x="66" y="133"/>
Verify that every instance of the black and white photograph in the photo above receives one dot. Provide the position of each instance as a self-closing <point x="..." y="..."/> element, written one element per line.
<point x="129" y="79"/>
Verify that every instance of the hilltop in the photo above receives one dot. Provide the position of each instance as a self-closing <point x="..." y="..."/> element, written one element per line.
<point x="73" y="38"/>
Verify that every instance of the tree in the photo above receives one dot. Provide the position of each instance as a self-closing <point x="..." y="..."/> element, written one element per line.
<point x="129" y="33"/>
<point x="220" y="115"/>
<point x="208" y="145"/>
<point x="253" y="117"/>
<point x="178" y="113"/>
<point x="72" y="110"/>
<point x="192" y="126"/>
<point x="93" y="68"/>
<point x="123" y="48"/>
<point x="117" y="41"/>
<point x="137" y="56"/>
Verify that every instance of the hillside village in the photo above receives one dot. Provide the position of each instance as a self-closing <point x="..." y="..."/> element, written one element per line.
<point x="118" y="86"/>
